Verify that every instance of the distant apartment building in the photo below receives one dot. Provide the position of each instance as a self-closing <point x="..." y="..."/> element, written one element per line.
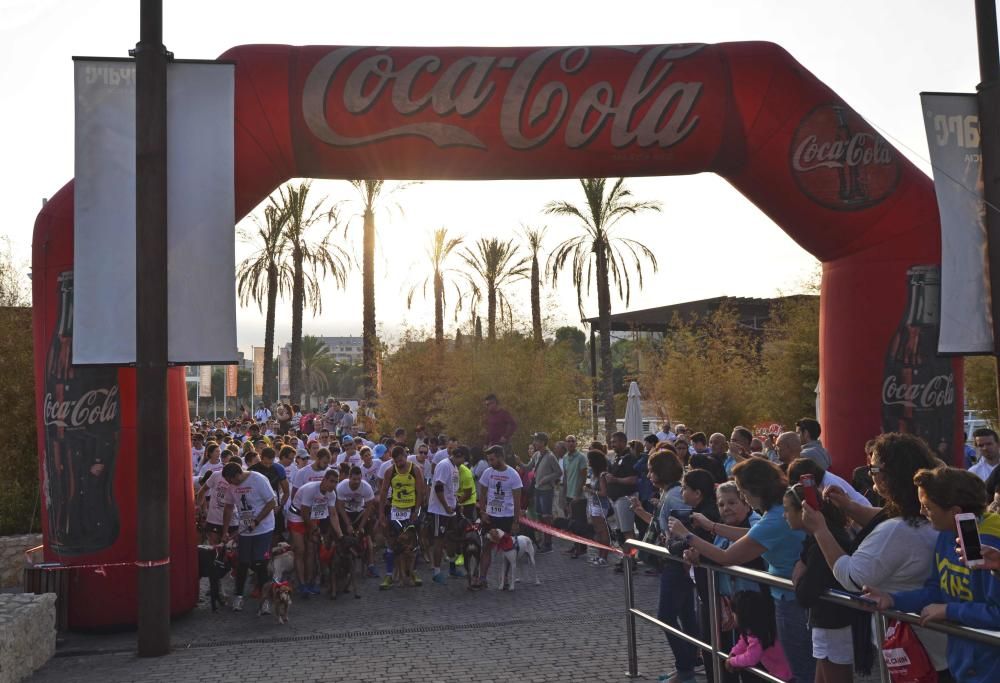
<point x="342" y="349"/>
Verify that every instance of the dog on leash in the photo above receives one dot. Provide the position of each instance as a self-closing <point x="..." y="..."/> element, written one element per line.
<point x="471" y="548"/>
<point x="347" y="566"/>
<point x="282" y="600"/>
<point x="512" y="549"/>
<point x="405" y="550"/>
<point x="213" y="564"/>
<point x="282" y="562"/>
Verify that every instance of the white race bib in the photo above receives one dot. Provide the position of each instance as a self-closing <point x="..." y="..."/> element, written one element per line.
<point x="399" y="514"/>
<point x="246" y="521"/>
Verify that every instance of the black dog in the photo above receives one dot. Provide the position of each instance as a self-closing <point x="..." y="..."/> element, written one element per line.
<point x="213" y="564"/>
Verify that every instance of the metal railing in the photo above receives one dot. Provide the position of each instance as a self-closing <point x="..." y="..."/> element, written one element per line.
<point x="842" y="598"/>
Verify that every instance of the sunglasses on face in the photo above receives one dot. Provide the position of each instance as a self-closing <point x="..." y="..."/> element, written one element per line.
<point x="873" y="470"/>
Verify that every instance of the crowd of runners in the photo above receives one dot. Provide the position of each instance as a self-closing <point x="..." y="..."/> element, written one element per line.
<point x="765" y="501"/>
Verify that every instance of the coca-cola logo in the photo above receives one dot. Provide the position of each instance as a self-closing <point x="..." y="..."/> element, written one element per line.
<point x="937" y="392"/>
<point x="97" y="406"/>
<point x="649" y="109"/>
<point x="838" y="161"/>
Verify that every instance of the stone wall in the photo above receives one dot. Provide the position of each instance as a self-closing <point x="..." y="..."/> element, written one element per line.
<point x="12" y="557"/>
<point x="27" y="634"/>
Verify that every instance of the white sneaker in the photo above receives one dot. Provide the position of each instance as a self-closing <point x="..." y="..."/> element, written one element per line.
<point x="237" y="603"/>
<point x="265" y="607"/>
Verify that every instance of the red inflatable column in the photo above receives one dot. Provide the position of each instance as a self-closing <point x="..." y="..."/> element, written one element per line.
<point x="88" y="455"/>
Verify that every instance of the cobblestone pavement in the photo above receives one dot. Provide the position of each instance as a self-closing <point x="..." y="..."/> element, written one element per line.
<point x="550" y="632"/>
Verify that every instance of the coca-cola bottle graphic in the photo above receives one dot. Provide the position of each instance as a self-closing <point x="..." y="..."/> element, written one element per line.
<point x="81" y="414"/>
<point x="851" y="185"/>
<point x="918" y="387"/>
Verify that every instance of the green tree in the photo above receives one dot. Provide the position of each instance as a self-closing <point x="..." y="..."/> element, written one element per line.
<point x="574" y="337"/>
<point x="494" y="264"/>
<point x="312" y="259"/>
<point x="981" y="386"/>
<point x="264" y="275"/>
<point x="13" y="278"/>
<point x="317" y="366"/>
<point x="374" y="194"/>
<point x="534" y="237"/>
<point x="790" y="358"/>
<point x="19" y="502"/>
<point x="441" y="247"/>
<point x="706" y="372"/>
<point x="599" y="255"/>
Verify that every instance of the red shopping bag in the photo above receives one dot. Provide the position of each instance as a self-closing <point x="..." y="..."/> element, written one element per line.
<point x="905" y="656"/>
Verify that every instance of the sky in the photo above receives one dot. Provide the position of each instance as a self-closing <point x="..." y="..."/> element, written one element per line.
<point x="710" y="241"/>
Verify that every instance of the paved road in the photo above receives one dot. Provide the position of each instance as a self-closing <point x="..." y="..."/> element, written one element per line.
<point x="570" y="627"/>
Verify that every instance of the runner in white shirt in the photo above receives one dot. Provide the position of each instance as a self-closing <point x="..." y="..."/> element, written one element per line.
<point x="499" y="500"/>
<point x="357" y="511"/>
<point x="312" y="512"/>
<point x="213" y="460"/>
<point x="315" y="471"/>
<point x="197" y="450"/>
<point x="250" y="503"/>
<point x="212" y="497"/>
<point x="443" y="501"/>
<point x="350" y="454"/>
<point x="370" y="468"/>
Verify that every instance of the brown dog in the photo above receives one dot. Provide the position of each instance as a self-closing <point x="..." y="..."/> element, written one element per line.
<point x="347" y="567"/>
<point x="405" y="551"/>
<point x="282" y="601"/>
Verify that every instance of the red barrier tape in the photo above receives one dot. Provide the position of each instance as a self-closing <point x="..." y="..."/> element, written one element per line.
<point x="566" y="536"/>
<point x="98" y="568"/>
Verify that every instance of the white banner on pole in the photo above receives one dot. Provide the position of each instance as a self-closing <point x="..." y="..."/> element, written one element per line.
<point x="201" y="309"/>
<point x="205" y="381"/>
<point x="952" y="124"/>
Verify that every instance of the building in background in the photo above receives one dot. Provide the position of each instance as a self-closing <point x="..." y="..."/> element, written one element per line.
<point x="342" y="349"/>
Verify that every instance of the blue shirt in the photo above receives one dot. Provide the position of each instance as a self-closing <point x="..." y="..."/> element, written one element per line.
<point x="671" y="501"/>
<point x="782" y="546"/>
<point x="730" y="585"/>
<point x="282" y="475"/>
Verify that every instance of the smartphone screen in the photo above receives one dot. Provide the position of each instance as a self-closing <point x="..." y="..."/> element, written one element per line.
<point x="970" y="539"/>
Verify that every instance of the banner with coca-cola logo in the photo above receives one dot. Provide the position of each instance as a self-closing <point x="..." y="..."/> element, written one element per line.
<point x="746" y="111"/>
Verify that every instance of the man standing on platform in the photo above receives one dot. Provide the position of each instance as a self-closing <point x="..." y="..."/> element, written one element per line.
<point x="498" y="423"/>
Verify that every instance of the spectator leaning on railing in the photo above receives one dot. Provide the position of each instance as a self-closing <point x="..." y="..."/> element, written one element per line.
<point x="894" y="549"/>
<point x="764" y="485"/>
<point x="954" y="592"/>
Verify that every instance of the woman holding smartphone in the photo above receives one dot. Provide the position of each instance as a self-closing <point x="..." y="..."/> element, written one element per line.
<point x="952" y="592"/>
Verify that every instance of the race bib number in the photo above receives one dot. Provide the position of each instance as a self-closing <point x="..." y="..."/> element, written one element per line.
<point x="399" y="514"/>
<point x="246" y="521"/>
<point x="319" y="512"/>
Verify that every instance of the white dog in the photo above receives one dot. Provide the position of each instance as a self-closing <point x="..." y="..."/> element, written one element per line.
<point x="512" y="549"/>
<point x="282" y="561"/>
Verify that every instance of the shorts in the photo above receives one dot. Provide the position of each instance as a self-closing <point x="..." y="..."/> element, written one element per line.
<point x="253" y="549"/>
<point x="543" y="502"/>
<point x="217" y="528"/>
<point x="503" y="523"/>
<point x="439" y="524"/>
<point x="297" y="527"/>
<point x="625" y="514"/>
<point x="835" y="644"/>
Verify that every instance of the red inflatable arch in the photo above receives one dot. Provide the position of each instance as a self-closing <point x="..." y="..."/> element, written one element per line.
<point x="746" y="111"/>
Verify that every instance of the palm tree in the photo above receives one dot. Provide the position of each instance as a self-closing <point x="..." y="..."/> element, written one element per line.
<point x="372" y="192"/>
<point x="312" y="260"/>
<point x="440" y="249"/>
<point x="494" y="264"/>
<point x="264" y="275"/>
<point x="535" y="237"/>
<point x="317" y="366"/>
<point x="598" y="252"/>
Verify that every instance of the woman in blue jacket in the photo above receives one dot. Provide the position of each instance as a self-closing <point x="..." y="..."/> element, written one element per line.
<point x="954" y="592"/>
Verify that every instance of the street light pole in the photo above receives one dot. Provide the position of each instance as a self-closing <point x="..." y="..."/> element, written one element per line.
<point x="988" y="99"/>
<point x="152" y="543"/>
